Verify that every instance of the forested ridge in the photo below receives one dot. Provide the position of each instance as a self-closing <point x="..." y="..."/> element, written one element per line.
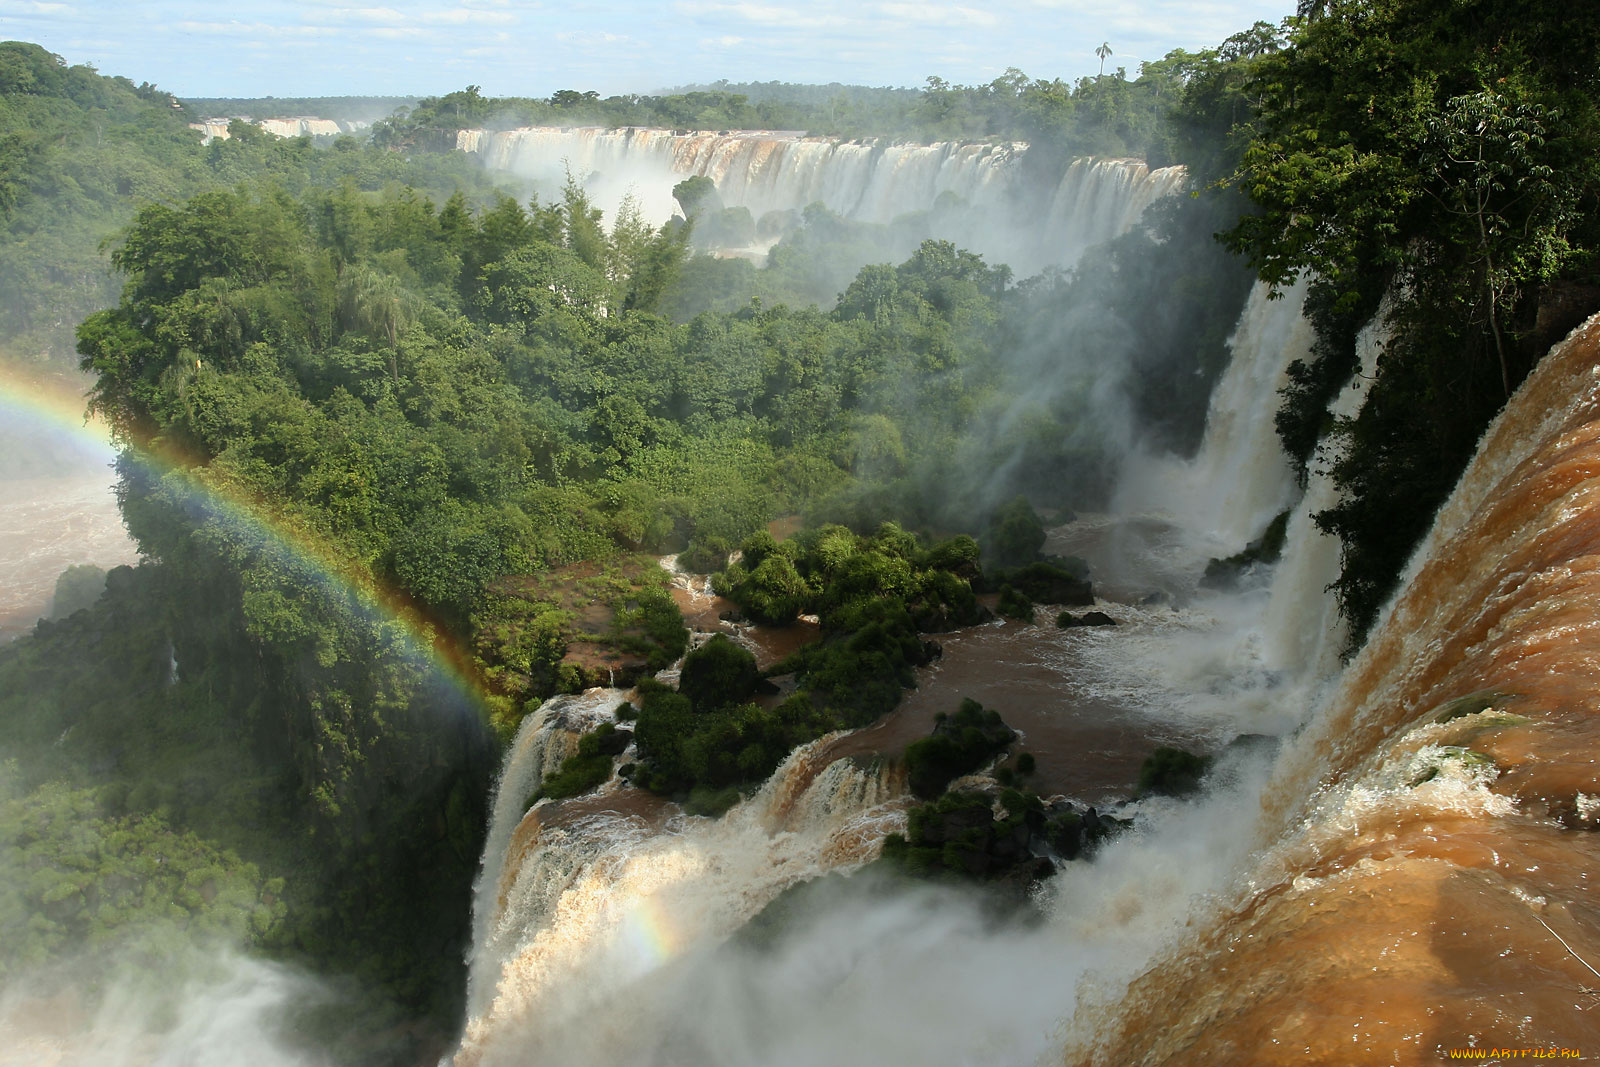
<point x="80" y="152"/>
<point x="459" y="423"/>
<point x="1106" y="115"/>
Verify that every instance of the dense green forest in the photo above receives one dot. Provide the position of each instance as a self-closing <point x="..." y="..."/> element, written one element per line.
<point x="382" y="416"/>
<point x="342" y="108"/>
<point x="79" y="152"/>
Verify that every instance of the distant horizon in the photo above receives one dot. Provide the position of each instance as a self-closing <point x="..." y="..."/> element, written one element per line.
<point x="324" y="48"/>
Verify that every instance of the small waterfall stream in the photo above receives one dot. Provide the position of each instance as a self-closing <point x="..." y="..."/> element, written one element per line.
<point x="1240" y="478"/>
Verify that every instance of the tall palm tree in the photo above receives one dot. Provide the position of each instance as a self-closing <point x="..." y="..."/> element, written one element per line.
<point x="375" y="303"/>
<point x="1103" y="51"/>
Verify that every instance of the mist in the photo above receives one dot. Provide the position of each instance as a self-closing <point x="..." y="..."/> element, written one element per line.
<point x="60" y="509"/>
<point x="865" y="970"/>
<point x="207" y="1007"/>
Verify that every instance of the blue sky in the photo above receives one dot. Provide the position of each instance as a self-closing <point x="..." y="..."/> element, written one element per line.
<point x="522" y="48"/>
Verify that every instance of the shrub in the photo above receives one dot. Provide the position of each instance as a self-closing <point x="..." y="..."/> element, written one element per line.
<point x="960" y="744"/>
<point x="1015" y="534"/>
<point x="590" y="767"/>
<point x="1047" y="583"/>
<point x="757" y="547"/>
<point x="1015" y="605"/>
<point x="774" y="593"/>
<point x="1172" y="771"/>
<point x="718" y="673"/>
<point x="959" y="555"/>
<point x="705" y="554"/>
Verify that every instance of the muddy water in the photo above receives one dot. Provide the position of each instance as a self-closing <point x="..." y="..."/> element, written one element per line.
<point x="1088" y="745"/>
<point x="1431" y="878"/>
<point x="1089" y="703"/>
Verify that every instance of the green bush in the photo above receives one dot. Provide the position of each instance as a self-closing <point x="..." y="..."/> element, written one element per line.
<point x="757" y="547"/>
<point x="718" y="673"/>
<point x="1047" y="582"/>
<point x="588" y="768"/>
<point x="1014" y="605"/>
<point x="706" y="554"/>
<point x="774" y="593"/>
<point x="1172" y="771"/>
<point x="959" y="555"/>
<point x="960" y="744"/>
<point x="79" y="586"/>
<point x="1016" y="534"/>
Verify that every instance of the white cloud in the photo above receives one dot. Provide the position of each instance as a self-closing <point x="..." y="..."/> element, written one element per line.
<point x="465" y="16"/>
<point x="934" y="15"/>
<point x="255" y="29"/>
<point x="764" y="14"/>
<point x="371" y="14"/>
<point x="588" y="37"/>
<point x="33" y="7"/>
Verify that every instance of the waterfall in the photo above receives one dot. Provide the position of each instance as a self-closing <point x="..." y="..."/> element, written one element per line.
<point x="217" y="129"/>
<point x="604" y="922"/>
<point x="1424" y="887"/>
<point x="1002" y="217"/>
<point x="1303" y="628"/>
<point x="1240" y="478"/>
<point x="545" y="738"/>
<point x="598" y="894"/>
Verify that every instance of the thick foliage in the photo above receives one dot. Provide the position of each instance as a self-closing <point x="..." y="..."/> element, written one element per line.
<point x="960" y="744"/>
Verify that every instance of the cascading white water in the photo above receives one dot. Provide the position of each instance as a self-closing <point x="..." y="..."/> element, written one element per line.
<point x="1094" y="200"/>
<point x="544" y="739"/>
<point x="1304" y="631"/>
<point x="596" y="900"/>
<point x="1240" y="478"/>
<point x="1425" y="893"/>
<point x="217" y="129"/>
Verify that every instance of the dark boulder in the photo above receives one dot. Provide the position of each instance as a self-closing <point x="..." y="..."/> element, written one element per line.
<point x="613" y="742"/>
<point x="1045" y="583"/>
<point x="1067" y="621"/>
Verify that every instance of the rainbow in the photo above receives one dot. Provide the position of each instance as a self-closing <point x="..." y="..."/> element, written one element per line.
<point x="244" y="528"/>
<point x="648" y="937"/>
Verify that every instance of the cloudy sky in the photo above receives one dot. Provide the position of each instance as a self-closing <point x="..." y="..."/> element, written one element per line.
<point x="527" y="48"/>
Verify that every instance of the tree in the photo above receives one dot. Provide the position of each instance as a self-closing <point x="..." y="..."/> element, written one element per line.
<point x="1104" y="51"/>
<point x="1484" y="150"/>
<point x="581" y="226"/>
<point x="375" y="304"/>
<point x="697" y="195"/>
